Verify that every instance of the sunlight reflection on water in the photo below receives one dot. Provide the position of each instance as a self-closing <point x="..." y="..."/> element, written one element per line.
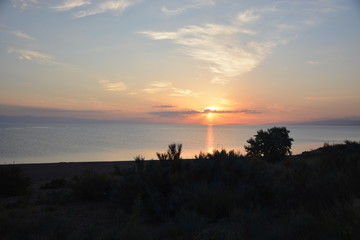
<point x="28" y="143"/>
<point x="210" y="139"/>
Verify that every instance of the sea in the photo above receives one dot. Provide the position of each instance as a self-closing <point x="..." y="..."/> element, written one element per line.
<point x="86" y="142"/>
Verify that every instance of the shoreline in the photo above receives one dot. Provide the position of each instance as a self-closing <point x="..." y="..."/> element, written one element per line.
<point x="47" y="171"/>
<point x="43" y="172"/>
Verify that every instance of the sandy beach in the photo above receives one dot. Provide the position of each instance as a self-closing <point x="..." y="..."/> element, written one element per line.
<point x="39" y="172"/>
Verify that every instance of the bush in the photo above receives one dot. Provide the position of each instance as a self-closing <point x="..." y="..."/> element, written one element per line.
<point x="173" y="153"/>
<point x="219" y="155"/>
<point x="273" y="144"/>
<point x="91" y="186"/>
<point x="13" y="182"/>
<point x="139" y="164"/>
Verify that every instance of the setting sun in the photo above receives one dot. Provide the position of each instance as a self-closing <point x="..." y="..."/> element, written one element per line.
<point x="210" y="113"/>
<point x="210" y="108"/>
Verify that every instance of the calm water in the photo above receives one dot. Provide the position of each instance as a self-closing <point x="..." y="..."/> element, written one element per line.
<point x="34" y="143"/>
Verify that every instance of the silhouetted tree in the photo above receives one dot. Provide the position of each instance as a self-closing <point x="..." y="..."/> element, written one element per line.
<point x="273" y="144"/>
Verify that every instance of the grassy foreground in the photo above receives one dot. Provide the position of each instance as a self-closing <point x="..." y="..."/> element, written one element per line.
<point x="223" y="195"/>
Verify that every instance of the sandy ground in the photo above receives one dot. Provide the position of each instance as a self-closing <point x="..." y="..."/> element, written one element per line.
<point x="47" y="171"/>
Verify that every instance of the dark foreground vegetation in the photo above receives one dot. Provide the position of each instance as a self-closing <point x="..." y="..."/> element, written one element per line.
<point x="219" y="195"/>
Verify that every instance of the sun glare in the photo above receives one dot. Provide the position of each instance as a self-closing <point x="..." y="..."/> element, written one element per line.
<point x="210" y="113"/>
<point x="210" y="109"/>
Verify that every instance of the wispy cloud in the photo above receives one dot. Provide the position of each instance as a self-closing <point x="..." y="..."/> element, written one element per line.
<point x="311" y="22"/>
<point x="176" y="11"/>
<point x="165" y="106"/>
<point x="316" y="98"/>
<point x="165" y="86"/>
<point x="116" y="6"/>
<point x="218" y="80"/>
<point x="197" y="112"/>
<point x="31" y="113"/>
<point x="246" y="111"/>
<point x="174" y="113"/>
<point x="313" y="62"/>
<point x="112" y="86"/>
<point x="326" y="6"/>
<point x="70" y="4"/>
<point x="28" y="110"/>
<point x="286" y="27"/>
<point x="182" y="9"/>
<point x="157" y="86"/>
<point x="224" y="101"/>
<point x="326" y="98"/>
<point x="218" y="45"/>
<point x="23" y="3"/>
<point x="254" y="14"/>
<point x="235" y="48"/>
<point x="178" y="92"/>
<point x="35" y="56"/>
<point x="23" y="35"/>
<point x="248" y="16"/>
<point x="315" y="10"/>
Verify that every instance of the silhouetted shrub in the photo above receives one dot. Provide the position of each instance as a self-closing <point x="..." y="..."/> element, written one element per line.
<point x="173" y="153"/>
<point x="13" y="182"/>
<point x="132" y="227"/>
<point x="139" y="164"/>
<point x="91" y="185"/>
<point x="273" y="144"/>
<point x="126" y="189"/>
<point x="219" y="155"/>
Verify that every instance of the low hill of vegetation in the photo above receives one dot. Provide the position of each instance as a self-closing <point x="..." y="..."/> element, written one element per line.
<point x="219" y="195"/>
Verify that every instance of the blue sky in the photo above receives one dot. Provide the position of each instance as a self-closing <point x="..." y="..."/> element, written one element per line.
<point x="248" y="62"/>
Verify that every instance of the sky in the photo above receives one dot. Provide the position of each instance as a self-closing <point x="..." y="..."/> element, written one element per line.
<point x="181" y="61"/>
